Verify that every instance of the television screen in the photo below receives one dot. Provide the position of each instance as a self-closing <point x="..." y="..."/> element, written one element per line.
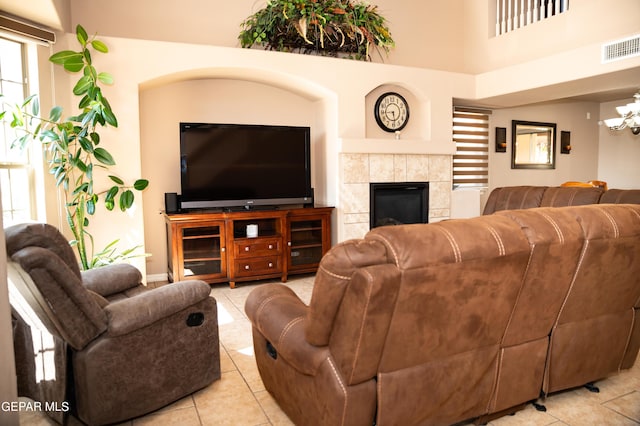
<point x="233" y="165"/>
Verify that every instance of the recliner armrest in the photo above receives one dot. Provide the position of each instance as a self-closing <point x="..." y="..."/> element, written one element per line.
<point x="111" y="279"/>
<point x="279" y="315"/>
<point x="125" y="316"/>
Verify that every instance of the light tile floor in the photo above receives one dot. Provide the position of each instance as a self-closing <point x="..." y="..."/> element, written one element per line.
<point x="239" y="398"/>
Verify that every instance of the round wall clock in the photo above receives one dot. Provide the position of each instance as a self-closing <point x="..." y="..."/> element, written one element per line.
<point x="391" y="112"/>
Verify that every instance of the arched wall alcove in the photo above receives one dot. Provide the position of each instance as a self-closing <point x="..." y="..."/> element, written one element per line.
<point x="225" y="95"/>
<point x="418" y="126"/>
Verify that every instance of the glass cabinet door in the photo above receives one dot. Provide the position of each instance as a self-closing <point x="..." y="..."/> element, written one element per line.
<point x="306" y="243"/>
<point x="203" y="250"/>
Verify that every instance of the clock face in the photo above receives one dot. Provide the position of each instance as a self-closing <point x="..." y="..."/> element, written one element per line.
<point x="391" y="112"/>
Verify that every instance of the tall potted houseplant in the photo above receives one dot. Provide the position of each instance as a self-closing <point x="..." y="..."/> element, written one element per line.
<point x="330" y="27"/>
<point x="73" y="148"/>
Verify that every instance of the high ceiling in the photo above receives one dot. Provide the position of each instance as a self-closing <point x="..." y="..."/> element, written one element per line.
<point x="602" y="88"/>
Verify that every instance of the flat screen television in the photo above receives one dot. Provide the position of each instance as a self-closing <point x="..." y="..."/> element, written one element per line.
<point x="241" y="166"/>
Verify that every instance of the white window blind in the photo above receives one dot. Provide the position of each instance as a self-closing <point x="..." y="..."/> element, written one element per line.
<point x="471" y="136"/>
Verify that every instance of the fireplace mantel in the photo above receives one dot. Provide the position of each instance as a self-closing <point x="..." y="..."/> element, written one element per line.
<point x="396" y="146"/>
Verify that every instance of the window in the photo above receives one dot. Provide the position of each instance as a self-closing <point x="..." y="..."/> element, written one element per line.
<point x="471" y="160"/>
<point x="17" y="179"/>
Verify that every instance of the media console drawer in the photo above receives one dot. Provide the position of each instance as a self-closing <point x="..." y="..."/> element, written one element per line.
<point x="258" y="266"/>
<point x="255" y="247"/>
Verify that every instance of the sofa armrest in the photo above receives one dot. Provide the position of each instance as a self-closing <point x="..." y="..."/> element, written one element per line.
<point x="111" y="279"/>
<point x="279" y="315"/>
<point x="127" y="315"/>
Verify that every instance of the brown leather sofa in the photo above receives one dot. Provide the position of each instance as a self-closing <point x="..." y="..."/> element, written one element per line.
<point x="106" y="348"/>
<point x="439" y="323"/>
<point x="527" y="196"/>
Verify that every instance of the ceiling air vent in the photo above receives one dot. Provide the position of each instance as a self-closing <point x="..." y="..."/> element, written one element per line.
<point x="621" y="49"/>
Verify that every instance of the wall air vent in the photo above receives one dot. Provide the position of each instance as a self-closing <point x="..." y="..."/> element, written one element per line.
<point x="621" y="49"/>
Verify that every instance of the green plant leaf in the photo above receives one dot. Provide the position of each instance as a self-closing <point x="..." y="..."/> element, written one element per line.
<point x="110" y="117"/>
<point x="81" y="188"/>
<point x="126" y="200"/>
<point x="84" y="102"/>
<point x="109" y="199"/>
<point x="99" y="46"/>
<point x="74" y="64"/>
<point x="105" y="78"/>
<point x="91" y="207"/>
<point x="64" y="56"/>
<point x="55" y="113"/>
<point x="116" y="179"/>
<point x="82" y="85"/>
<point x="86" y="144"/>
<point x="95" y="137"/>
<point x="103" y="156"/>
<point x="81" y="33"/>
<point x="90" y="71"/>
<point x="35" y="107"/>
<point x="86" y="53"/>
<point x="27" y="100"/>
<point x="141" y="184"/>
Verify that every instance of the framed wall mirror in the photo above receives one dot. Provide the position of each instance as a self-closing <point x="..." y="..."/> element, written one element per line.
<point x="533" y="145"/>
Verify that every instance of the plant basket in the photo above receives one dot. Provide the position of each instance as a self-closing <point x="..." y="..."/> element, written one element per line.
<point x="330" y="28"/>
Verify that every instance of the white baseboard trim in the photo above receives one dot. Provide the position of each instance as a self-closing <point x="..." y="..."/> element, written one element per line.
<point x="154" y="278"/>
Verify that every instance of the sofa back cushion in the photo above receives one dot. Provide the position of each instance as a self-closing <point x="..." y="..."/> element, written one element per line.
<point x="333" y="277"/>
<point x="460" y="281"/>
<point x="562" y="196"/>
<point x="621" y="196"/>
<point x="597" y="331"/>
<point x="514" y="197"/>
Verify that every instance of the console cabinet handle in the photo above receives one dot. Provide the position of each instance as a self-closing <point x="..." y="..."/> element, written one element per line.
<point x="246" y="248"/>
<point x="246" y="267"/>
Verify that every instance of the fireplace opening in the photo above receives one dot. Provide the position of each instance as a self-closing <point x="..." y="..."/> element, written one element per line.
<point x="398" y="203"/>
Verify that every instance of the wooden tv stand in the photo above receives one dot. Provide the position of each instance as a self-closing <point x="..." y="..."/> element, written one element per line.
<point x="214" y="247"/>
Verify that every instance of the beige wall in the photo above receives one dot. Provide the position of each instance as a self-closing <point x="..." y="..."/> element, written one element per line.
<point x="580" y="165"/>
<point x="210" y="101"/>
<point x="618" y="152"/>
<point x="586" y="22"/>
<point x="456" y="35"/>
<point x="424" y="36"/>
<point x="177" y="82"/>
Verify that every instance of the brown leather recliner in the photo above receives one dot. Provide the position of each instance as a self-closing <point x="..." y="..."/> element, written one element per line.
<point x="106" y="348"/>
<point x="435" y="324"/>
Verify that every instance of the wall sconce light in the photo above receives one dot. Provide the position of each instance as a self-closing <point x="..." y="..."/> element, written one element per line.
<point x="501" y="139"/>
<point x="629" y="117"/>
<point x="565" y="142"/>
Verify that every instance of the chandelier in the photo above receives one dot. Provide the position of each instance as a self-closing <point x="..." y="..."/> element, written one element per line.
<point x="629" y="116"/>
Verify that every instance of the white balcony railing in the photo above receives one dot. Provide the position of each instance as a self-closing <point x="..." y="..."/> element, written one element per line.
<point x="514" y="14"/>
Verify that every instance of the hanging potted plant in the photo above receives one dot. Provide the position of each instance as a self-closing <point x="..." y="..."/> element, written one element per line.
<point x="332" y="27"/>
<point x="73" y="149"/>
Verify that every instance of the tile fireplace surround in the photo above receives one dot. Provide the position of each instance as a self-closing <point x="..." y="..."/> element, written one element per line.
<point x="358" y="170"/>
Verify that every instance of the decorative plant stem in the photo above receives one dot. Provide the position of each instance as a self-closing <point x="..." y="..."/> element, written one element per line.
<point x="330" y="27"/>
<point x="73" y="151"/>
